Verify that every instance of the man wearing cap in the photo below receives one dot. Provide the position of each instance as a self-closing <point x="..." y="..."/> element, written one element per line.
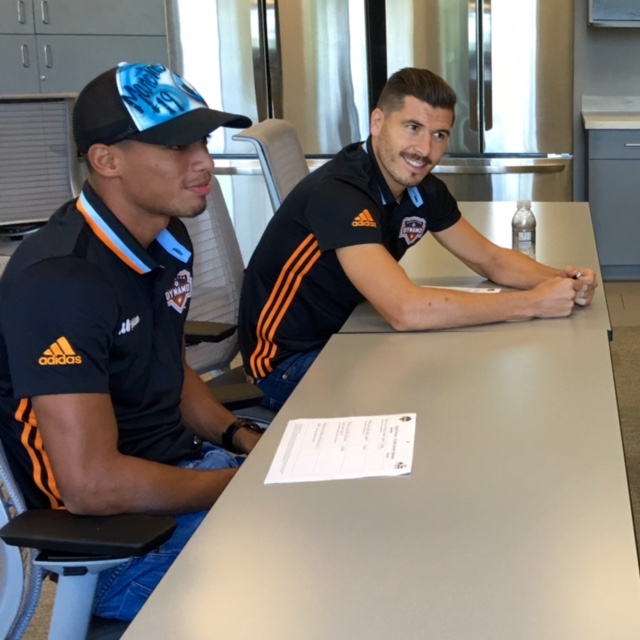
<point x="100" y="413"/>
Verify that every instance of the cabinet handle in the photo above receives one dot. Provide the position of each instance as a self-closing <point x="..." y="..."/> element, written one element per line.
<point x="24" y="51"/>
<point x="632" y="144"/>
<point x="44" y="11"/>
<point x="22" y="16"/>
<point x="48" y="58"/>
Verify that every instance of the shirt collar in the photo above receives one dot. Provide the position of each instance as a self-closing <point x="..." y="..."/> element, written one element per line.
<point x="385" y="192"/>
<point x="114" y="235"/>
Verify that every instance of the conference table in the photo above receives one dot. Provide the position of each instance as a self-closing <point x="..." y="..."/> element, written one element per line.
<point x="515" y="521"/>
<point x="564" y="237"/>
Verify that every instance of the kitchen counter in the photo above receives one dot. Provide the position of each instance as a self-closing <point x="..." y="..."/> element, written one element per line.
<point x="611" y="112"/>
<point x="612" y="126"/>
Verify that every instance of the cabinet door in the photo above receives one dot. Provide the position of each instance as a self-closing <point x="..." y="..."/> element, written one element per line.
<point x="16" y="16"/>
<point x="110" y="17"/>
<point x="614" y="194"/>
<point x="67" y="63"/>
<point x="18" y="65"/>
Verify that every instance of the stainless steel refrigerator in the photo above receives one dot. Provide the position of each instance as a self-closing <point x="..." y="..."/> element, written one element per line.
<point x="307" y="61"/>
<point x="321" y="64"/>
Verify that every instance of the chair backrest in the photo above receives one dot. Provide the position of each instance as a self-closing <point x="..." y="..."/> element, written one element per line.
<point x="217" y="279"/>
<point x="280" y="154"/>
<point x="20" y="578"/>
<point x="39" y="170"/>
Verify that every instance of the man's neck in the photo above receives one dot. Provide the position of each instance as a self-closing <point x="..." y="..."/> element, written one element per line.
<point x="143" y="226"/>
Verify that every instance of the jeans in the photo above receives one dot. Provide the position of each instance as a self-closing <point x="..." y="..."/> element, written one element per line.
<point x="123" y="590"/>
<point x="281" y="382"/>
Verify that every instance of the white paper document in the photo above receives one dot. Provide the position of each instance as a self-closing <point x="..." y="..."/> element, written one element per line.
<point x="315" y="449"/>
<point x="467" y="289"/>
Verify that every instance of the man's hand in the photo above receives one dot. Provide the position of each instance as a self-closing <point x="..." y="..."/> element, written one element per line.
<point x="554" y="298"/>
<point x="584" y="283"/>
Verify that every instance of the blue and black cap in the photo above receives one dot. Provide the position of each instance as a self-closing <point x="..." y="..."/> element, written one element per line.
<point x="145" y="102"/>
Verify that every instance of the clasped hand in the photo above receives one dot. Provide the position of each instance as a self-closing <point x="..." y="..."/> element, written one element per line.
<point x="585" y="283"/>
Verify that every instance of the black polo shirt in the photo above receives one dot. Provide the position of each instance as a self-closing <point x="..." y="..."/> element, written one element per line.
<point x="85" y="309"/>
<point x="295" y="294"/>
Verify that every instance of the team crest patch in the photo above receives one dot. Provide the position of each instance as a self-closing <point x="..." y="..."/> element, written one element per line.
<point x="180" y="292"/>
<point x="412" y="229"/>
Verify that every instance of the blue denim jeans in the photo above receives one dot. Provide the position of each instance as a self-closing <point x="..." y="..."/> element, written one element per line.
<point x="281" y="382"/>
<point x="123" y="590"/>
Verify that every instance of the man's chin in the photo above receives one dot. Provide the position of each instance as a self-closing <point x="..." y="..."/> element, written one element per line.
<point x="415" y="179"/>
<point x="196" y="211"/>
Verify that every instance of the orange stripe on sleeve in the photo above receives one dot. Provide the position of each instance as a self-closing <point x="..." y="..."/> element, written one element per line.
<point x="39" y="459"/>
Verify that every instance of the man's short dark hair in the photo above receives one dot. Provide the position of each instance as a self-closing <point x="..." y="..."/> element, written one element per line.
<point x="422" y="84"/>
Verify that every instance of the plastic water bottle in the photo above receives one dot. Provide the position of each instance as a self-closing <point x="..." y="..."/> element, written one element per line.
<point x="523" y="226"/>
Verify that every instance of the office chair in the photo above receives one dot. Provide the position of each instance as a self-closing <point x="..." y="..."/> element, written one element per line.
<point x="39" y="543"/>
<point x="280" y="154"/>
<point x="218" y="271"/>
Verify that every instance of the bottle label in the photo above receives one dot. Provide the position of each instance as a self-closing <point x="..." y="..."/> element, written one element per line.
<point x="524" y="241"/>
<point x="524" y="236"/>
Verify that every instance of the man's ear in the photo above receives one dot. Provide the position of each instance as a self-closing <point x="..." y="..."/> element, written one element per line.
<point x="377" y="118"/>
<point x="103" y="159"/>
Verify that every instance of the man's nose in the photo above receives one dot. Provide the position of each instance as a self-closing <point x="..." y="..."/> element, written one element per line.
<point x="204" y="159"/>
<point x="423" y="145"/>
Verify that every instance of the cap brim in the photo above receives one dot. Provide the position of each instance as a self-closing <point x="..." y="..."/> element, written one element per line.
<point x="191" y="127"/>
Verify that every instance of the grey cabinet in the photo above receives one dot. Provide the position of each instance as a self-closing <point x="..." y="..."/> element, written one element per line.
<point x="17" y="62"/>
<point x="614" y="13"/>
<point x="16" y="16"/>
<point x="99" y="17"/>
<point x="614" y="198"/>
<point x="53" y="47"/>
<point x="71" y="61"/>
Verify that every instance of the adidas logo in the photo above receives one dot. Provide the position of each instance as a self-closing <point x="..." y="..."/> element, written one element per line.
<point x="60" y="352"/>
<point x="364" y="219"/>
<point x="129" y="325"/>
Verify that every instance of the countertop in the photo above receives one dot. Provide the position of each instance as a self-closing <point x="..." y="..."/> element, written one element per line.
<point x="611" y="112"/>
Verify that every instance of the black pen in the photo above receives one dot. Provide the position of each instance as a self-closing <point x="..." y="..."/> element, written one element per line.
<point x="578" y="275"/>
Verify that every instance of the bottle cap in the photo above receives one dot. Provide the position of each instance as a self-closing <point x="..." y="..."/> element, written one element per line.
<point x="523" y="204"/>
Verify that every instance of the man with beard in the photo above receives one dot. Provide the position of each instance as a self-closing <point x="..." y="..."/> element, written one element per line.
<point x="100" y="412"/>
<point x="337" y="239"/>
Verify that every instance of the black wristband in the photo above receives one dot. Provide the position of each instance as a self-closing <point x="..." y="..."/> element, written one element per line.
<point x="230" y="431"/>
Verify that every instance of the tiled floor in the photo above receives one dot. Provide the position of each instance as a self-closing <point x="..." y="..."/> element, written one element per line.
<point x="623" y="300"/>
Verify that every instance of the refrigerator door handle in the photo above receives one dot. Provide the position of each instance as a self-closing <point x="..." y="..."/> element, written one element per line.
<point x="475" y="166"/>
<point x="487" y="81"/>
<point x="473" y="37"/>
<point x="259" y="56"/>
<point x="274" y="57"/>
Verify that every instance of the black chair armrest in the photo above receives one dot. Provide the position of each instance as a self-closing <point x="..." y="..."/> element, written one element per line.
<point x="119" y="536"/>
<point x="236" y="396"/>
<point x="196" y="331"/>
